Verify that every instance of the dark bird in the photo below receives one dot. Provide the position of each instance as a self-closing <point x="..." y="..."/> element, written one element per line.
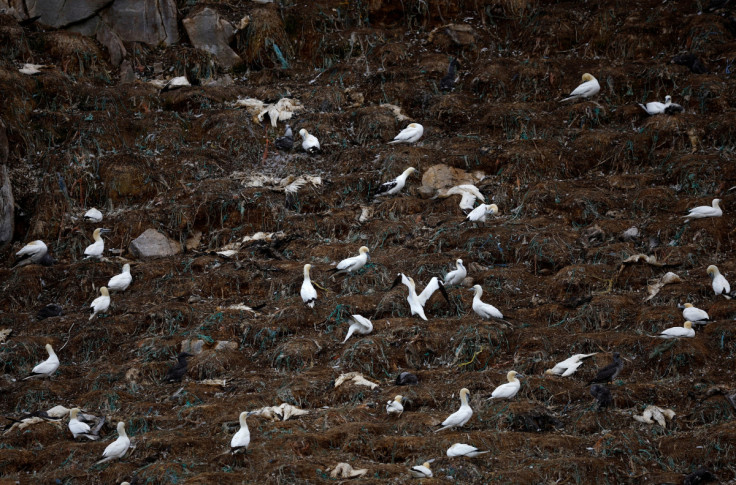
<point x="448" y="82"/>
<point x="692" y="62"/>
<point x="50" y="310"/>
<point x="28" y="21"/>
<point x="285" y="142"/>
<point x="701" y="475"/>
<point x="179" y="369"/>
<point x="609" y="372"/>
<point x="406" y="379"/>
<point x="602" y="395"/>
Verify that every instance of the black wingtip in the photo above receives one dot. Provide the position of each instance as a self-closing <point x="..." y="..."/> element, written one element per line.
<point x="396" y="281"/>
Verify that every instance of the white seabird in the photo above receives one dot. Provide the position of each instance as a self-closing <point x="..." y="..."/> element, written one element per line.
<point x="456" y="276"/>
<point x="433" y="285"/>
<point x="694" y="314"/>
<point x="413" y="299"/>
<point x="657" y="108"/>
<point x="421" y="471"/>
<point x="117" y="448"/>
<point x="587" y="89"/>
<point x="120" y="282"/>
<point x="675" y="332"/>
<point x="461" y="449"/>
<point x="480" y="213"/>
<point x="720" y="284"/>
<point x="703" y="211"/>
<point x="484" y="310"/>
<point x="93" y="215"/>
<point x="96" y="249"/>
<point x="394" y="186"/>
<point x="241" y="439"/>
<point x="360" y="325"/>
<point x="461" y="416"/>
<point x="80" y="428"/>
<point x="410" y="134"/>
<point x="101" y="303"/>
<point x="395" y="406"/>
<point x="468" y="195"/>
<point x="508" y="390"/>
<point x="568" y="366"/>
<point x="35" y="252"/>
<point x="47" y="367"/>
<point x="350" y="265"/>
<point x="310" y="143"/>
<point x="308" y="293"/>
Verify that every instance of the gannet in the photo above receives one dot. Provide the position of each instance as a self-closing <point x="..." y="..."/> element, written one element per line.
<point x="93" y="215"/>
<point x="421" y="471"/>
<point x="96" y="249"/>
<point x="50" y="310"/>
<point x="395" y="406"/>
<point x="344" y="470"/>
<point x="601" y="394"/>
<point x="410" y="134"/>
<point x="449" y="80"/>
<point x="461" y="449"/>
<point x="121" y="281"/>
<point x="178" y="370"/>
<point x="694" y="314"/>
<point x="720" y="284"/>
<point x="47" y="367"/>
<point x="406" y="379"/>
<point x="461" y="416"/>
<point x="285" y="142"/>
<point x="101" y="303"/>
<point x="456" y="276"/>
<point x="568" y="366"/>
<point x="80" y="428"/>
<point x="587" y="89"/>
<point x="308" y="293"/>
<point x="705" y="211"/>
<point x="281" y="110"/>
<point x="433" y="285"/>
<point x="176" y="83"/>
<point x="117" y="448"/>
<point x="394" y="186"/>
<point x="415" y="307"/>
<point x="480" y="213"/>
<point x="310" y="143"/>
<point x="659" y="415"/>
<point x="241" y="439"/>
<point x="657" y="108"/>
<point x="609" y="372"/>
<point x="484" y="310"/>
<point x="360" y="325"/>
<point x="675" y="332"/>
<point x="35" y="252"/>
<point x="508" y="390"/>
<point x="350" y="265"/>
<point x="468" y="195"/>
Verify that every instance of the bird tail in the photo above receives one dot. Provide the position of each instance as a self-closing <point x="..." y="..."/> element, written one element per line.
<point x="392" y="142"/>
<point x="104" y="460"/>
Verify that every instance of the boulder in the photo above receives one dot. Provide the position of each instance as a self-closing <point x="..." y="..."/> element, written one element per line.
<point x="153" y="244"/>
<point x="210" y="32"/>
<point x="442" y="176"/>
<point x="7" y="212"/>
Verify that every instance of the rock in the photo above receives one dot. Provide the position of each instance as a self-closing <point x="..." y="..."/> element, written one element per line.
<point x="630" y="234"/>
<point x="127" y="75"/>
<point x="112" y="43"/>
<point x="226" y="345"/>
<point x="7" y="209"/>
<point x="443" y="177"/>
<point x="61" y="13"/>
<point x="192" y="346"/>
<point x="211" y="33"/>
<point x="426" y="192"/>
<point x="153" y="244"/>
<point x="194" y="241"/>
<point x="4" y="145"/>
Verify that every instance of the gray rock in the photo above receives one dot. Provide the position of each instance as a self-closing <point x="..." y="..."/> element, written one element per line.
<point x="112" y="43"/>
<point x="126" y="72"/>
<point x="226" y="345"/>
<point x="210" y="32"/>
<point x="426" y="192"/>
<point x="630" y="234"/>
<point x="192" y="346"/>
<point x="153" y="244"/>
<point x="7" y="209"/>
<point x="61" y="13"/>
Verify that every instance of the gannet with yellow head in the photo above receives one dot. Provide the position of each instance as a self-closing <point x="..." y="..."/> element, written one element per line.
<point x="461" y="449"/>
<point x="421" y="471"/>
<point x="395" y="406"/>
<point x="120" y="282"/>
<point x="456" y="276"/>
<point x="360" y="325"/>
<point x="240" y="441"/>
<point x="95" y="250"/>
<point x="461" y="416"/>
<point x="47" y="367"/>
<point x="587" y="89"/>
<point x="700" y="212"/>
<point x="719" y="282"/>
<point x="484" y="310"/>
<point x="675" y="332"/>
<point x="117" y="448"/>
<point x="695" y="315"/>
<point x="351" y="265"/>
<point x="310" y="143"/>
<point x="308" y="293"/>
<point x="394" y="186"/>
<point x="568" y="366"/>
<point x="410" y="134"/>
<point x="101" y="303"/>
<point x="508" y="390"/>
<point x="480" y="213"/>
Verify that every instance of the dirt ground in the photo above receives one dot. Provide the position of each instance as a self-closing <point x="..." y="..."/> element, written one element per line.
<point x="569" y="180"/>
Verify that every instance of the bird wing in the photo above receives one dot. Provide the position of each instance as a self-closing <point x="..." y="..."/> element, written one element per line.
<point x="429" y="290"/>
<point x="405" y="134"/>
<point x="386" y="186"/>
<point x="117" y="448"/>
<point x="346" y="263"/>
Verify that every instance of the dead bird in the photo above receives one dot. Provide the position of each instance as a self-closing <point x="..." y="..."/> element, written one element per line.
<point x="609" y="372"/>
<point x="448" y="82"/>
<point x="179" y="370"/>
<point x="50" y="310"/>
<point x="285" y="142"/>
<point x="602" y="395"/>
<point x="692" y="62"/>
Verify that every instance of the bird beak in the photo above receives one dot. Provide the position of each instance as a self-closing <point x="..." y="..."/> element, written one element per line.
<point x="103" y="231"/>
<point x="520" y="375"/>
